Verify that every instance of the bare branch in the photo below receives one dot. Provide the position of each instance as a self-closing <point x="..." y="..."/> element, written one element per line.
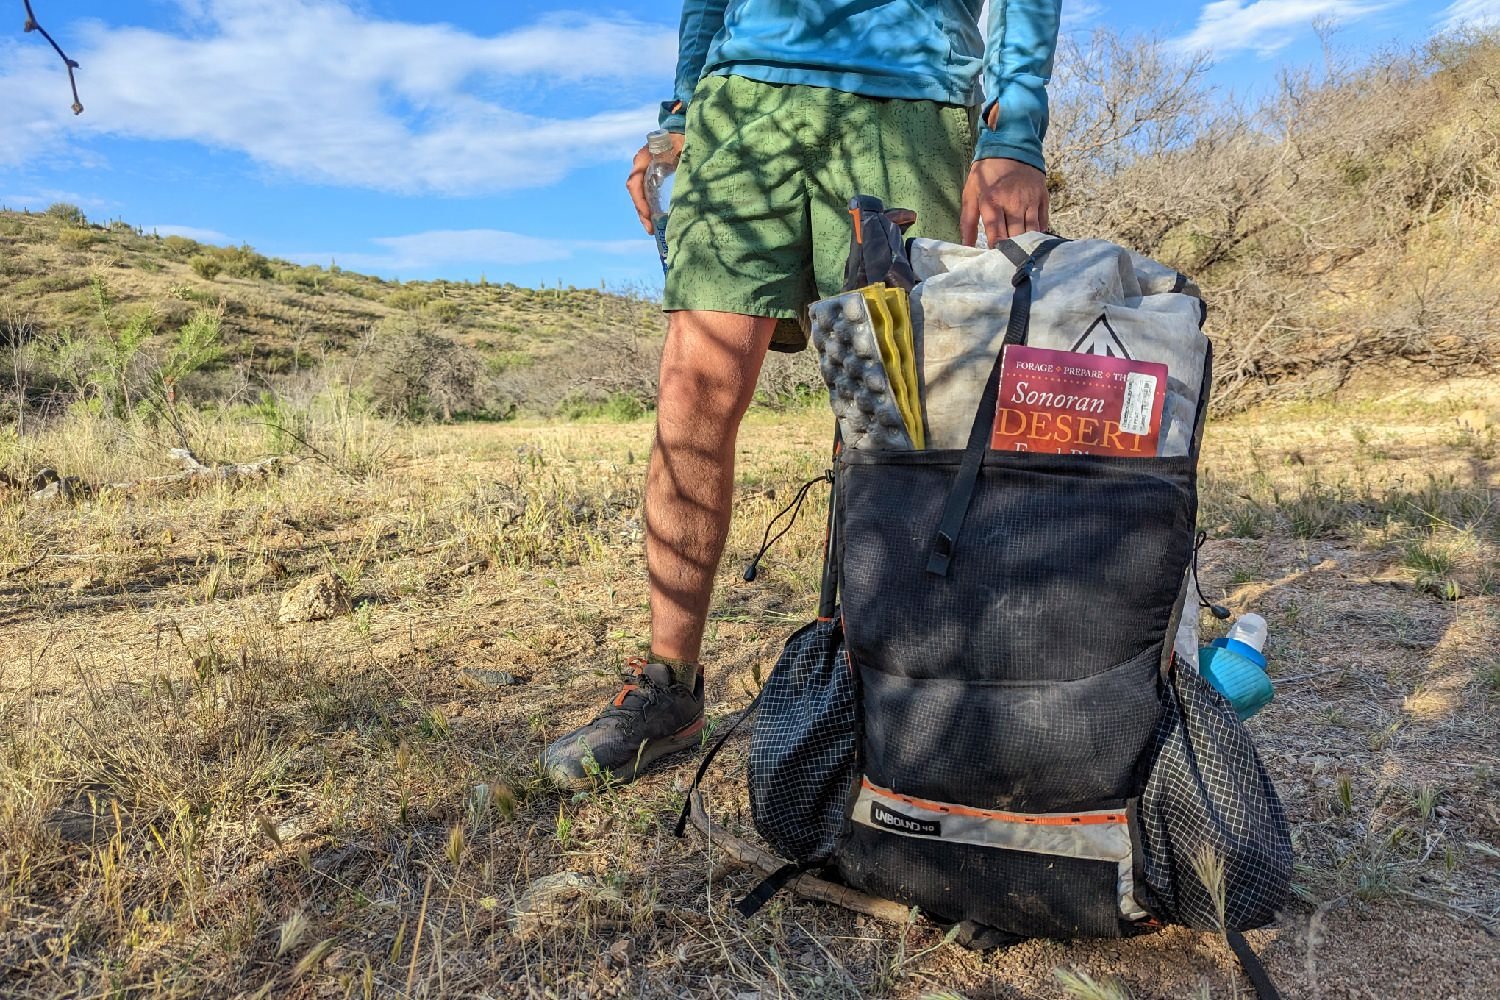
<point x="32" y="24"/>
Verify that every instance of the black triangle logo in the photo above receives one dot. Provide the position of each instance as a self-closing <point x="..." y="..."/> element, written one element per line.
<point x="1100" y="338"/>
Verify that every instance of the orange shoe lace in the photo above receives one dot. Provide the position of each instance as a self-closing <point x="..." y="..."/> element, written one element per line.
<point x="637" y="667"/>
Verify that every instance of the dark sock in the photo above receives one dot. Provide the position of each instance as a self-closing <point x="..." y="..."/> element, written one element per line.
<point x="684" y="672"/>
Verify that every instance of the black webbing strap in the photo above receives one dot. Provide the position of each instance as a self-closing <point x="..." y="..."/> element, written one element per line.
<point x="962" y="493"/>
<point x="1014" y="252"/>
<point x="708" y="758"/>
<point x="768" y="887"/>
<point x="1259" y="978"/>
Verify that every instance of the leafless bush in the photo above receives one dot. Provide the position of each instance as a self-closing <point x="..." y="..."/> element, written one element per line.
<point x="411" y="369"/>
<point x="1297" y="217"/>
<point x="594" y="368"/>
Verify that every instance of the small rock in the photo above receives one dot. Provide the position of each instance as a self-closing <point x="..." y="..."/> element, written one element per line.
<point x="317" y="599"/>
<point x="56" y="492"/>
<point x="560" y="899"/>
<point x="488" y="680"/>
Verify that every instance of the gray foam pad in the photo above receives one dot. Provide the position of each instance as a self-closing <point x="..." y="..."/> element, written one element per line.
<point x="858" y="388"/>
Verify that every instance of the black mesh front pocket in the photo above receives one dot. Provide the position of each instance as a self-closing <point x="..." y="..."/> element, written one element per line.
<point x="804" y="752"/>
<point x="1209" y="803"/>
<point x="1014" y="746"/>
<point x="1067" y="565"/>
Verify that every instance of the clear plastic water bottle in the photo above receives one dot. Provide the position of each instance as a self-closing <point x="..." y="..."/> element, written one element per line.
<point x="1236" y="666"/>
<point x="659" y="186"/>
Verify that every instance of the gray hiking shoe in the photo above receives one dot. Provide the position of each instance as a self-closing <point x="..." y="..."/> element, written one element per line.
<point x="652" y="716"/>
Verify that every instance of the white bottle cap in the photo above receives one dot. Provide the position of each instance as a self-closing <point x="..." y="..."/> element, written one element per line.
<point x="658" y="141"/>
<point x="1249" y="629"/>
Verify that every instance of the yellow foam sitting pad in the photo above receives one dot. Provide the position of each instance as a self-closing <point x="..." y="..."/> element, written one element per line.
<point x="901" y="336"/>
<point x="891" y="319"/>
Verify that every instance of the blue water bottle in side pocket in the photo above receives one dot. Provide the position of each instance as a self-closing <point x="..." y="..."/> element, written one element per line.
<point x="1236" y="666"/>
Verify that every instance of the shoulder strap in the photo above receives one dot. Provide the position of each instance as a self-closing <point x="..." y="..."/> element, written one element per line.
<point x="962" y="492"/>
<point x="1259" y="978"/>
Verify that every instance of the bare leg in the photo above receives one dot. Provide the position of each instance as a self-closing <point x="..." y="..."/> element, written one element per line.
<point x="708" y="371"/>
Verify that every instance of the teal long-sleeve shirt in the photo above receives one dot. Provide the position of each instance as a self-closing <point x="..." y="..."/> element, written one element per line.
<point x="909" y="49"/>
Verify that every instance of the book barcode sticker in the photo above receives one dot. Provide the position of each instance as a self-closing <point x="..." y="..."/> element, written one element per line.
<point x="1140" y="395"/>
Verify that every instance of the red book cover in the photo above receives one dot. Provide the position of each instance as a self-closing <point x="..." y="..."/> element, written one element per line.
<point x="1078" y="404"/>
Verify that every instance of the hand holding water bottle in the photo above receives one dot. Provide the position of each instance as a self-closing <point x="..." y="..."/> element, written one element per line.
<point x="648" y="184"/>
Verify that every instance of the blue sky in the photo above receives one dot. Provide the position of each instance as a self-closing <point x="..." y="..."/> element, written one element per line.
<point x="421" y="140"/>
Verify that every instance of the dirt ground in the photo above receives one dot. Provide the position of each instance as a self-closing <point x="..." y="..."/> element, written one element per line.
<point x="199" y="798"/>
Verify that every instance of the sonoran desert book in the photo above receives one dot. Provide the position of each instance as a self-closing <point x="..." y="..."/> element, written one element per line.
<point x="1078" y="404"/>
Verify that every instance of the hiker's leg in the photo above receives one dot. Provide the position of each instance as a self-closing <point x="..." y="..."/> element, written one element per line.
<point x="708" y="370"/>
<point x="738" y="249"/>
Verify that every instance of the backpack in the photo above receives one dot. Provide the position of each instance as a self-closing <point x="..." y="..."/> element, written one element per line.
<point x="987" y="721"/>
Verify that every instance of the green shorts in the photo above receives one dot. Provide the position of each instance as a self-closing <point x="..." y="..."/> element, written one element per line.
<point x="759" y="221"/>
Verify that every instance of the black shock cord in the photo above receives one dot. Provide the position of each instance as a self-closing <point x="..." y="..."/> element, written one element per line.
<point x="1217" y="610"/>
<point x="752" y="569"/>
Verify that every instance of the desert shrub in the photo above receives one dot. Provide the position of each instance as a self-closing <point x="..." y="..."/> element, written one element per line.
<point x="788" y="381"/>
<point x="443" y="310"/>
<point x="207" y="268"/>
<point x="243" y="262"/>
<point x="198" y="345"/>
<point x="181" y="246"/>
<point x="586" y="369"/>
<point x="17" y="326"/>
<point x="407" y="299"/>
<point x="616" y="408"/>
<point x="497" y="362"/>
<point x="411" y="370"/>
<point x="306" y="279"/>
<point x="76" y="238"/>
<point x="71" y="214"/>
<point x="344" y="285"/>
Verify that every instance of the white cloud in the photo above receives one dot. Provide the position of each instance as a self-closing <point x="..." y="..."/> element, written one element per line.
<point x="1076" y="15"/>
<point x="1080" y="14"/>
<point x="319" y="91"/>
<point x="474" y="247"/>
<point x="37" y="200"/>
<point x="1227" y="26"/>
<point x="191" y="232"/>
<point x="1470" y="14"/>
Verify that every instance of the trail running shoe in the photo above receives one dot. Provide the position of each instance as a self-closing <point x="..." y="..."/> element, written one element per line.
<point x="652" y="716"/>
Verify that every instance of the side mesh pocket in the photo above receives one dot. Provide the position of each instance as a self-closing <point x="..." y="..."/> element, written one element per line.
<point x="804" y="752"/>
<point x="1209" y="805"/>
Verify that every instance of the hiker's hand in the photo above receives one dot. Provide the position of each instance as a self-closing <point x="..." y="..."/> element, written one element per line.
<point x="1010" y="196"/>
<point x="636" y="182"/>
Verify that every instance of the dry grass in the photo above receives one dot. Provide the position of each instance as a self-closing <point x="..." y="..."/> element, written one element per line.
<point x="198" y="799"/>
